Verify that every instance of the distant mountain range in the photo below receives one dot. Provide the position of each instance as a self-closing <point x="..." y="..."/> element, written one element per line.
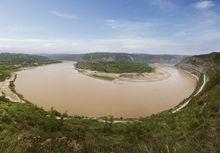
<point x="101" y="56"/>
<point x="71" y="57"/>
<point x="23" y="59"/>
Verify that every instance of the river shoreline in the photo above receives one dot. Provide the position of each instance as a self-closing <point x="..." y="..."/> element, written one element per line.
<point x="127" y="95"/>
<point x="7" y="91"/>
<point x="158" y="75"/>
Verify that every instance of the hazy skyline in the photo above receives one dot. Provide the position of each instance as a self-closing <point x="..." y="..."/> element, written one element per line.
<point x="80" y="26"/>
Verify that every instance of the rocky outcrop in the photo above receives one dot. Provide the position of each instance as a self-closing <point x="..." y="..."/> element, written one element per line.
<point x="192" y="64"/>
<point x="201" y="64"/>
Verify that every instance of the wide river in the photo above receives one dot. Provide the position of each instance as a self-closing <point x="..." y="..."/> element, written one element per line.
<point x="62" y="87"/>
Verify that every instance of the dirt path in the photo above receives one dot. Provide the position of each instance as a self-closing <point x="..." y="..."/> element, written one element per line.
<point x="202" y="86"/>
<point x="186" y="103"/>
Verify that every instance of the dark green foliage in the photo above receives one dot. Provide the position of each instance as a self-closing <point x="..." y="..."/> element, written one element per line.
<point x="114" y="67"/>
<point x="4" y="73"/>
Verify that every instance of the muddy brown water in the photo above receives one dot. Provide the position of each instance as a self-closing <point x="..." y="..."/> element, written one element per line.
<point x="62" y="87"/>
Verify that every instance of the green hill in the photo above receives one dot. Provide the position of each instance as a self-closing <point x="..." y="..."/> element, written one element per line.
<point x="194" y="129"/>
<point x="12" y="62"/>
<point x="114" y="67"/>
<point x="136" y="58"/>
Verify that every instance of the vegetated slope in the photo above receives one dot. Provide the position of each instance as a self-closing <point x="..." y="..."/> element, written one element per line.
<point x="201" y="63"/>
<point x="112" y="63"/>
<point x="114" y="66"/>
<point x="193" y="129"/>
<point x="23" y="59"/>
<point x="11" y="62"/>
<point x="136" y="58"/>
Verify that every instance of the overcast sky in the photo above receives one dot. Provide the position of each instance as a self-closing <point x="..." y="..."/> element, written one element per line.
<point x="79" y="26"/>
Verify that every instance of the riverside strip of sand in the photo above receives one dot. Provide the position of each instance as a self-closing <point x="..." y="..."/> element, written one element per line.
<point x="159" y="74"/>
<point x="6" y="91"/>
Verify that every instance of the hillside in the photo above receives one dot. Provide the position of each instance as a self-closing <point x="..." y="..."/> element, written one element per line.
<point x="193" y="129"/>
<point x="11" y="62"/>
<point x="114" y="66"/>
<point x="200" y="63"/>
<point x="23" y="59"/>
<point x="136" y="58"/>
<point x="69" y="57"/>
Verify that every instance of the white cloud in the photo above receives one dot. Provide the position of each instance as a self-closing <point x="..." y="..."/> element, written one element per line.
<point x="127" y="25"/>
<point x="65" y="15"/>
<point x="129" y="28"/>
<point x="22" y="28"/>
<point x="132" y="45"/>
<point x="200" y="33"/>
<point x="204" y="4"/>
<point x="201" y="27"/>
<point x="73" y="46"/>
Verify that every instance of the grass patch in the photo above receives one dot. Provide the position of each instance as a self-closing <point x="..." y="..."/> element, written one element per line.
<point x="103" y="77"/>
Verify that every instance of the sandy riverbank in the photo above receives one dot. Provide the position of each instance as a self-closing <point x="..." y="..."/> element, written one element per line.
<point x="7" y="92"/>
<point x="160" y="73"/>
